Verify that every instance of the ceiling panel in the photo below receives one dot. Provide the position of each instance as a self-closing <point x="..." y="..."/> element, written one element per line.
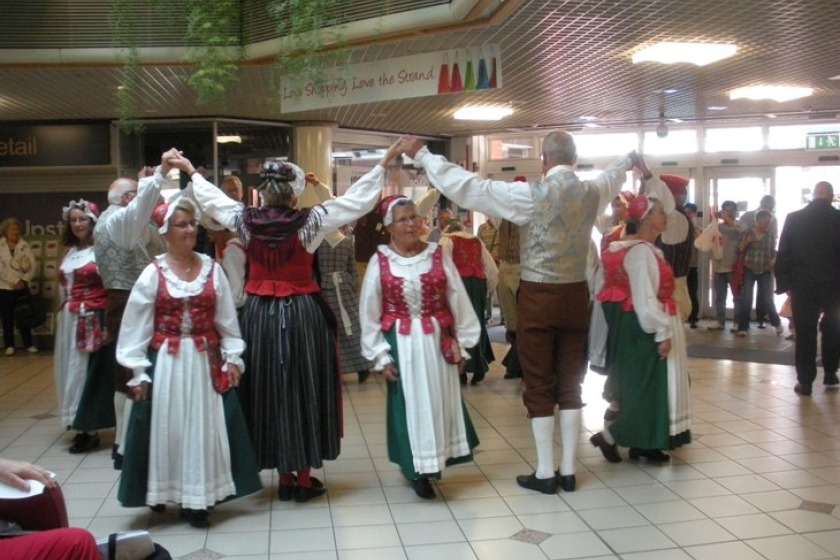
<point x="560" y="60"/>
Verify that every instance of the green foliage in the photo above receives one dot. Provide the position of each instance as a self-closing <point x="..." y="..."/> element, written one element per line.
<point x="317" y="45"/>
<point x="215" y="47"/>
<point x="310" y="43"/>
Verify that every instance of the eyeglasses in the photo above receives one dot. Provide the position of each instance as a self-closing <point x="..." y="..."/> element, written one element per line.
<point x="184" y="225"/>
<point x="408" y="219"/>
<point x="79" y="220"/>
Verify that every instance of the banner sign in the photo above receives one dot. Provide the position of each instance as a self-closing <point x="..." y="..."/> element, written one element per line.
<point x="54" y="144"/>
<point x="419" y="75"/>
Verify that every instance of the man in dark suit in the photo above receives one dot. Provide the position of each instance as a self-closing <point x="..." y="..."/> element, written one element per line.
<point x="808" y="267"/>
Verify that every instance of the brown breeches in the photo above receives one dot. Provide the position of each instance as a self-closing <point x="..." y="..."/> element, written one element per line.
<point x="552" y="335"/>
<point x="114" y="310"/>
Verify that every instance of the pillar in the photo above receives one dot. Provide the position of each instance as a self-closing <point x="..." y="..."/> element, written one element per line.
<point x="312" y="152"/>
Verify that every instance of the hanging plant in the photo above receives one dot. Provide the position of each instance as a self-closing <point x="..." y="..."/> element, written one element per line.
<point x="121" y="22"/>
<point x="215" y="47"/>
<point x="318" y="45"/>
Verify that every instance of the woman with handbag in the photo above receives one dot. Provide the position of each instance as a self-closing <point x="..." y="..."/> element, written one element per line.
<point x="84" y="385"/>
<point x="17" y="268"/>
<point x="417" y="324"/>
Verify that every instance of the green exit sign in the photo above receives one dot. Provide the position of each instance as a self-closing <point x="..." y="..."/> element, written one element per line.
<point x="823" y="141"/>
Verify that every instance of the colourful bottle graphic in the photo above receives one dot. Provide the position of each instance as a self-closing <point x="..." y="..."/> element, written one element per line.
<point x="456" y="84"/>
<point x="469" y="76"/>
<point x="443" y="78"/>
<point x="483" y="79"/>
<point x="493" y="84"/>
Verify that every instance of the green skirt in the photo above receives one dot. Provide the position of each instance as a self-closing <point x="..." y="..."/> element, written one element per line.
<point x="399" y="444"/>
<point x="638" y="381"/>
<point x="135" y="471"/>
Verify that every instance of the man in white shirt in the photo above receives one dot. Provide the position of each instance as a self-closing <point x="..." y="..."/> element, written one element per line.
<point x="555" y="218"/>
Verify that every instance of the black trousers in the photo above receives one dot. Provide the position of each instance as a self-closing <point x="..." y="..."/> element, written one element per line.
<point x="809" y="303"/>
<point x="693" y="286"/>
<point x="8" y="298"/>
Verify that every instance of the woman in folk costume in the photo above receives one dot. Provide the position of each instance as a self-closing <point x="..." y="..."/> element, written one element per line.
<point x="292" y="395"/>
<point x="646" y="351"/>
<point x="339" y="280"/>
<point x="417" y="323"/>
<point x="85" y="388"/>
<point x="186" y="440"/>
<point x="480" y="275"/>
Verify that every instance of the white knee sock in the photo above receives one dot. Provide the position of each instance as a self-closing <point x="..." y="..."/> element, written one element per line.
<point x="126" y="415"/>
<point x="119" y="406"/>
<point x="569" y="435"/>
<point x="543" y="429"/>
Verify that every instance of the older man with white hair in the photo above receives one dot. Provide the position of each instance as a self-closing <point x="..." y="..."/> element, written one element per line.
<point x="124" y="243"/>
<point x="555" y="218"/>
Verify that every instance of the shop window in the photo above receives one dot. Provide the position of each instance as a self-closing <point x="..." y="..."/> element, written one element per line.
<point x="677" y="142"/>
<point x="748" y="139"/>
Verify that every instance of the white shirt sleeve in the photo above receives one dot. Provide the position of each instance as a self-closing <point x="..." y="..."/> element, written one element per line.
<point x="127" y="226"/>
<point x="233" y="263"/>
<point x="511" y="201"/>
<point x="643" y="271"/>
<point x="138" y="326"/>
<point x="214" y="202"/>
<point x="609" y="182"/>
<point x="352" y="205"/>
<point x="28" y="262"/>
<point x="227" y="323"/>
<point x="374" y="346"/>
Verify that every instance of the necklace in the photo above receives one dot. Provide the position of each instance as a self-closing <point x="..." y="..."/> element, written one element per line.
<point x="407" y="253"/>
<point x="186" y="267"/>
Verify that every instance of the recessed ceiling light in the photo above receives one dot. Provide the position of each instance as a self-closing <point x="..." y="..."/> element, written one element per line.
<point x="592" y="125"/>
<point x="776" y="93"/>
<point x="837" y="77"/>
<point x="231" y="139"/>
<point x="588" y="118"/>
<point x="700" y="54"/>
<point x="717" y="108"/>
<point x="483" y="113"/>
<point x="669" y="91"/>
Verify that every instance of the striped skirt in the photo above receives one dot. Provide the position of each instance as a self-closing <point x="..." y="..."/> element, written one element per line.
<point x="290" y="391"/>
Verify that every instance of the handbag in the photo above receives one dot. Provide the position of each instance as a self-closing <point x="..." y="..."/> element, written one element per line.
<point x="132" y="545"/>
<point x="90" y="331"/>
<point x="30" y="311"/>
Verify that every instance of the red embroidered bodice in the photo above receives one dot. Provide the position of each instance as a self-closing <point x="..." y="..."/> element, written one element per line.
<point x="279" y="277"/>
<point x="466" y="253"/>
<point x="617" y="284"/>
<point x="87" y="289"/>
<point x="189" y="317"/>
<point x="433" y="286"/>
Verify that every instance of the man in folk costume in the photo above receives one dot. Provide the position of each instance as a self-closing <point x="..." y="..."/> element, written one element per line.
<point x="677" y="246"/>
<point x="555" y="217"/>
<point x="124" y="238"/>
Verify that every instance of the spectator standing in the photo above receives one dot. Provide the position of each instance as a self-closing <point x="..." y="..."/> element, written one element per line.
<point x="759" y="249"/>
<point x="731" y="231"/>
<point x="17" y="269"/>
<point x="808" y="267"/>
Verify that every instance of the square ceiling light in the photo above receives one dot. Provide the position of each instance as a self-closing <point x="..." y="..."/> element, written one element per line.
<point x="700" y="54"/>
<point x="776" y="93"/>
<point x="483" y="113"/>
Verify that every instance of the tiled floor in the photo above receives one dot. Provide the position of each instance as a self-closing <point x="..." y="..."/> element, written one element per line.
<point x="761" y="481"/>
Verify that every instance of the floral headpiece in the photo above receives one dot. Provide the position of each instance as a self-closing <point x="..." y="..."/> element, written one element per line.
<point x="90" y="209"/>
<point x="273" y="173"/>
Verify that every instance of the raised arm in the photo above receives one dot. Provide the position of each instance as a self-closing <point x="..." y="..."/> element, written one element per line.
<point x="511" y="201"/>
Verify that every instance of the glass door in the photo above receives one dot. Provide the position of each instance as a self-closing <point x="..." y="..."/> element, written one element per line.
<point x="745" y="187"/>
